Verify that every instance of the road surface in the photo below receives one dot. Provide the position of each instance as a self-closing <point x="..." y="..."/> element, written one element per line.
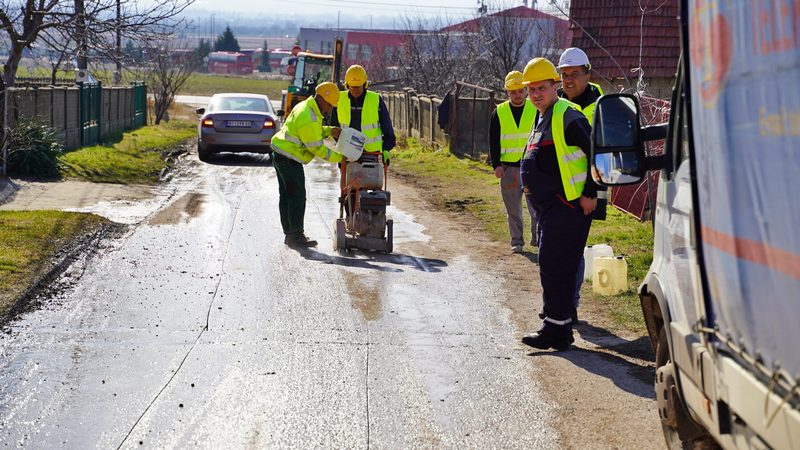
<point x="199" y="327"/>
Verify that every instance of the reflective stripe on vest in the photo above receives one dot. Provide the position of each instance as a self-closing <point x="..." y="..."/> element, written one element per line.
<point x="571" y="166"/>
<point x="370" y="121"/>
<point x="513" y="138"/>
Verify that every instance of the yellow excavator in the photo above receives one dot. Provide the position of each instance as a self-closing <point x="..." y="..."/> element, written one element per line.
<point x="308" y="70"/>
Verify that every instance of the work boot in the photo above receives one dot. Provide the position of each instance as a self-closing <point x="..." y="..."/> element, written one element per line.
<point x="544" y="340"/>
<point x="299" y="240"/>
<point x="558" y="337"/>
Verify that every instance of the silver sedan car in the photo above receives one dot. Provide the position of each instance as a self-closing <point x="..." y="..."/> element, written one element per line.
<point x="236" y="123"/>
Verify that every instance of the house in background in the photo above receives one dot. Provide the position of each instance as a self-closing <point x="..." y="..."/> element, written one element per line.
<point x="612" y="32"/>
<point x="618" y="38"/>
<point x="548" y="34"/>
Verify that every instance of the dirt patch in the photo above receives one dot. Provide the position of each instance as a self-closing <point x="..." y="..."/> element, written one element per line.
<point x="366" y="297"/>
<point x="181" y="210"/>
<point x="461" y="204"/>
<point x="600" y="387"/>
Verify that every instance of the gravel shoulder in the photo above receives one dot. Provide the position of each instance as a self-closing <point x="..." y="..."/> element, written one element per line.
<point x="602" y="388"/>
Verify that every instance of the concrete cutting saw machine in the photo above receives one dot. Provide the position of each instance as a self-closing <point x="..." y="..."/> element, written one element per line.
<point x="362" y="221"/>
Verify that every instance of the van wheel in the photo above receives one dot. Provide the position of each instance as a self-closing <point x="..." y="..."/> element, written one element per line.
<point x="681" y="432"/>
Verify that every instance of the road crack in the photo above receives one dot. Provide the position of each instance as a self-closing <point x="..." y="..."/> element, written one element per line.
<point x="200" y="335"/>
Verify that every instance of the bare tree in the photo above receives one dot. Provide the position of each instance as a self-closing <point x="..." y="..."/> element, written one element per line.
<point x="431" y="61"/>
<point x="504" y="37"/>
<point x="167" y="70"/>
<point x="383" y="66"/>
<point x="61" y="50"/>
<point x="25" y="21"/>
<point x="480" y="51"/>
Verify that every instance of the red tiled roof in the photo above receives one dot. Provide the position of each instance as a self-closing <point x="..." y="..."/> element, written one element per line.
<point x="520" y="11"/>
<point x="617" y="26"/>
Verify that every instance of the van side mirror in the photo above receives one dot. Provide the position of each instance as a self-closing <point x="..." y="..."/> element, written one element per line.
<point x="200" y="111"/>
<point x="617" y="153"/>
<point x="281" y="113"/>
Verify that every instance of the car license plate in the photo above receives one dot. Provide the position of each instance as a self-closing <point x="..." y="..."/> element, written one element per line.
<point x="239" y="123"/>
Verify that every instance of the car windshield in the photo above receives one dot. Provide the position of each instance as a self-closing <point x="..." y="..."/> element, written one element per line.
<point x="240" y="104"/>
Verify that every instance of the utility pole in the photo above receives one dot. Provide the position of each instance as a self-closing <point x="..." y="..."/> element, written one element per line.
<point x="118" y="73"/>
<point x="80" y="24"/>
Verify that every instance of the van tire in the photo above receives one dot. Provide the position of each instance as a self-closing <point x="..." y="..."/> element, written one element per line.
<point x="681" y="432"/>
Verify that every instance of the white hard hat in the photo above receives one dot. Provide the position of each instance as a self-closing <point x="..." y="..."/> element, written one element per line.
<point x="573" y="57"/>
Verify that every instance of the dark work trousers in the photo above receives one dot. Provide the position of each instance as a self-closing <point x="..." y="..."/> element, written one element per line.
<point x="292" y="192"/>
<point x="563" y="229"/>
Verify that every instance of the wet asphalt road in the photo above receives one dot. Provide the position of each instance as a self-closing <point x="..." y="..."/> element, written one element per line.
<point x="200" y="328"/>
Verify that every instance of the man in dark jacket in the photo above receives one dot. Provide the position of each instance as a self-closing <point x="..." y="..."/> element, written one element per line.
<point x="555" y="174"/>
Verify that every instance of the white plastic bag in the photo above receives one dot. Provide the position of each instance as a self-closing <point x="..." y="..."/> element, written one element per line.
<point x="351" y="143"/>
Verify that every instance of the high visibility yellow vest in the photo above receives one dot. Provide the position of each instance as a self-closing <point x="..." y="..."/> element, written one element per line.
<point x="300" y="137"/>
<point x="370" y="122"/>
<point x="588" y="111"/>
<point x="572" y="162"/>
<point x="513" y="138"/>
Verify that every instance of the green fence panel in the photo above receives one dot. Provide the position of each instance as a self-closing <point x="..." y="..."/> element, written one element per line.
<point x="91" y="102"/>
<point x="139" y="104"/>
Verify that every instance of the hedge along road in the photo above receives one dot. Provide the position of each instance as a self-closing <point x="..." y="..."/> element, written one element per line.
<point x="200" y="327"/>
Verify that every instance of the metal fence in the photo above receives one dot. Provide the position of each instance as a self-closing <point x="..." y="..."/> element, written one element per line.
<point x="471" y="111"/>
<point x="91" y="102"/>
<point x="139" y="103"/>
<point x="460" y="120"/>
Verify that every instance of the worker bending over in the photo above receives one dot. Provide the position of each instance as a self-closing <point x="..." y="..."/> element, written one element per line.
<point x="297" y="142"/>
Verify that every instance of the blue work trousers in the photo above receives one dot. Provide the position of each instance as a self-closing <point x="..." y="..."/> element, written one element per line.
<point x="564" y="229"/>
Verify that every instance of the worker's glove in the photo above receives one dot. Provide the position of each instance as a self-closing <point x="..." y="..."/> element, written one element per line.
<point x="386" y="157"/>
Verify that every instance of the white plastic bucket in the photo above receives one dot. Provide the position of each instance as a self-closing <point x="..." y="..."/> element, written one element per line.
<point x="610" y="275"/>
<point x="590" y="253"/>
<point x="351" y="143"/>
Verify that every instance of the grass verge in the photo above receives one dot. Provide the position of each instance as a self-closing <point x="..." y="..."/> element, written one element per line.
<point x="131" y="157"/>
<point x="464" y="185"/>
<point x="209" y="84"/>
<point x="198" y="83"/>
<point x="28" y="242"/>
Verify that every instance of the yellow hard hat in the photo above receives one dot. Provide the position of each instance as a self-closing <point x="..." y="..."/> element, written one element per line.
<point x="539" y="69"/>
<point x="355" y="76"/>
<point x="329" y="92"/>
<point x="514" y="80"/>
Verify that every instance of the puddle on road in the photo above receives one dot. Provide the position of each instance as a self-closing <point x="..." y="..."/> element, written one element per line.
<point x="406" y="227"/>
<point x="182" y="210"/>
<point x="130" y="210"/>
<point x="366" y="296"/>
